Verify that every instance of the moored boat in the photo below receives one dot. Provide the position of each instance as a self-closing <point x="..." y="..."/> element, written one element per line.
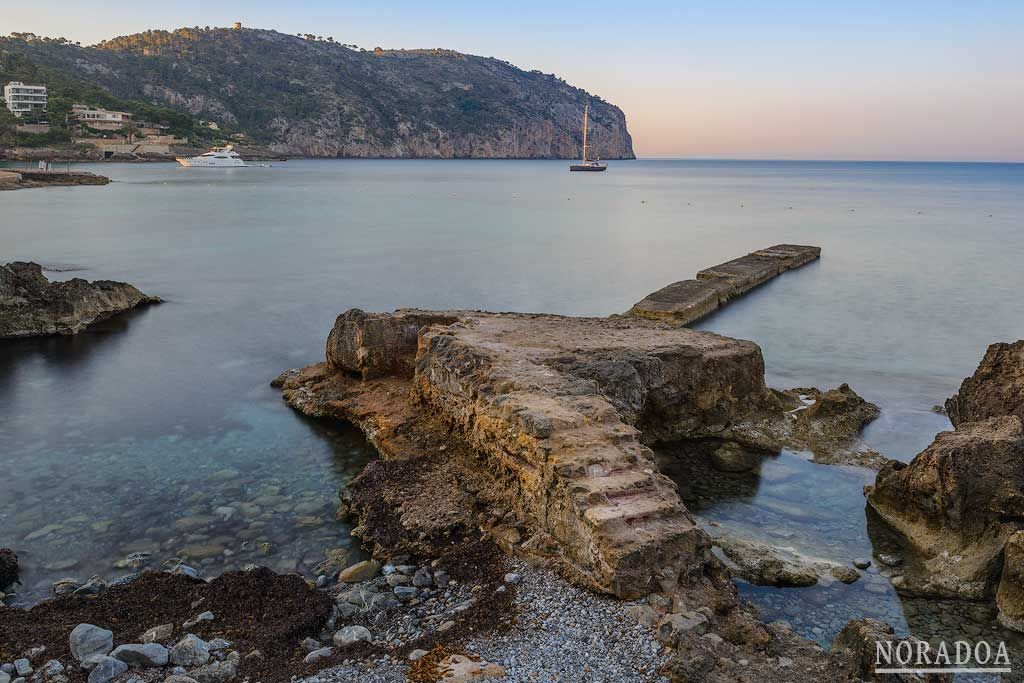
<point x="218" y="157"/>
<point x="584" y="165"/>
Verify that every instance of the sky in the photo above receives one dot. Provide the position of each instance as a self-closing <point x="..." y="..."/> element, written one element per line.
<point x="902" y="79"/>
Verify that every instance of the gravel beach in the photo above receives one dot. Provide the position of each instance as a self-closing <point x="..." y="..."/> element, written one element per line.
<point x="561" y="633"/>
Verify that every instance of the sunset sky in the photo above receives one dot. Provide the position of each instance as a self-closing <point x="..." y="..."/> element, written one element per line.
<point x="870" y="80"/>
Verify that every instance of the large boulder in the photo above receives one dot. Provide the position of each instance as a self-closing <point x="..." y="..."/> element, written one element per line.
<point x="954" y="506"/>
<point x="995" y="389"/>
<point x="31" y="305"/>
<point x="376" y="344"/>
<point x="87" y="640"/>
<point x="1010" y="595"/>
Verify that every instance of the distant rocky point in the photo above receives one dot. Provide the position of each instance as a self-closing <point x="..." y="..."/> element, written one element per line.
<point x="32" y="306"/>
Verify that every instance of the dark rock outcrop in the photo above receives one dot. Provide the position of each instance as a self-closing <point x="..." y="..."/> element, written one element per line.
<point x="995" y="389"/>
<point x="8" y="568"/>
<point x="31" y="305"/>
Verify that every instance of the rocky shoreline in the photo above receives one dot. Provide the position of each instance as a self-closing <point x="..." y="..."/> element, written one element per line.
<point x="518" y="524"/>
<point x="21" y="180"/>
<point x="955" y="513"/>
<point x="32" y="306"/>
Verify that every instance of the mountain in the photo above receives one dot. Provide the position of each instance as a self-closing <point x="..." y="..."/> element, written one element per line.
<point x="315" y="97"/>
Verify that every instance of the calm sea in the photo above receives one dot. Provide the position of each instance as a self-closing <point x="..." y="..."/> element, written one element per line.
<point x="159" y="434"/>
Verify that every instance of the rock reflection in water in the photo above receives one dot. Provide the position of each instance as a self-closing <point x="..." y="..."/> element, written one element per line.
<point x="817" y="510"/>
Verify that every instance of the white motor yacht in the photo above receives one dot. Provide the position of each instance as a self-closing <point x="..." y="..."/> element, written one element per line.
<point x="218" y="157"/>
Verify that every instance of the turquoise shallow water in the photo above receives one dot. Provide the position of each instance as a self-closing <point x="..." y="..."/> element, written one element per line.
<point x="130" y="423"/>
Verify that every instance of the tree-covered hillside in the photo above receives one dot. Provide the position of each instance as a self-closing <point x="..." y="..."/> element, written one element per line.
<point x="305" y="95"/>
<point x="66" y="87"/>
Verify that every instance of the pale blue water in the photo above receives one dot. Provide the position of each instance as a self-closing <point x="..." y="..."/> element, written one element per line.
<point x="920" y="271"/>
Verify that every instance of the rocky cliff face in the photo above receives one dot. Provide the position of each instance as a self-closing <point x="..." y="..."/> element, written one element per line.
<point x="320" y="98"/>
<point x="996" y="388"/>
<point x="31" y="305"/>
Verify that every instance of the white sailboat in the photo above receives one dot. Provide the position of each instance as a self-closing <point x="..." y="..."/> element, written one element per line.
<point x="218" y="157"/>
<point x="585" y="165"/>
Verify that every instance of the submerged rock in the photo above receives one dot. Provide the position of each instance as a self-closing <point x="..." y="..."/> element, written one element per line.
<point x="31" y="305"/>
<point x="764" y="565"/>
<point x="731" y="457"/>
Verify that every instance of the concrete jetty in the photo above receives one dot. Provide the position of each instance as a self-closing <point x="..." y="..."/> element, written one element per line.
<point x="16" y="180"/>
<point x="688" y="301"/>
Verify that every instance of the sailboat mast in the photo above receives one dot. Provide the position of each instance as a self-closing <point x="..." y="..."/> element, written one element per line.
<point x="586" y="111"/>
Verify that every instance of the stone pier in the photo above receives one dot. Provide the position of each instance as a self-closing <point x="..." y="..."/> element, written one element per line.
<point x="557" y="414"/>
<point x="687" y="301"/>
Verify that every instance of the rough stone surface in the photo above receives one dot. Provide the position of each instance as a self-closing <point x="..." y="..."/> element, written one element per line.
<point x="106" y="670"/>
<point x="688" y="301"/>
<point x="732" y="457"/>
<point x="86" y="640"/>
<point x="218" y="671"/>
<point x="558" y="413"/>
<point x="157" y="634"/>
<point x="361" y="571"/>
<point x="372" y="345"/>
<point x="763" y="565"/>
<point x="190" y="651"/>
<point x="996" y="389"/>
<point x="462" y="669"/>
<point x="954" y="506"/>
<point x="31" y="305"/>
<point x="1010" y="594"/>
<point x="145" y="655"/>
<point x="553" y="405"/>
<point x="351" y="635"/>
<point x="826" y="423"/>
<point x="855" y="647"/>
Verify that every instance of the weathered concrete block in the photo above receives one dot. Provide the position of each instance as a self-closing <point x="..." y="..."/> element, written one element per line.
<point x="687" y="301"/>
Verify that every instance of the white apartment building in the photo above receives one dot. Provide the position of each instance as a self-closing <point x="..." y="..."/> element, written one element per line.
<point x="24" y="99"/>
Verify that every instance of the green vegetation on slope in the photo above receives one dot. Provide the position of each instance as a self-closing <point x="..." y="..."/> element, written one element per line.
<point x="65" y="90"/>
<point x="306" y="95"/>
